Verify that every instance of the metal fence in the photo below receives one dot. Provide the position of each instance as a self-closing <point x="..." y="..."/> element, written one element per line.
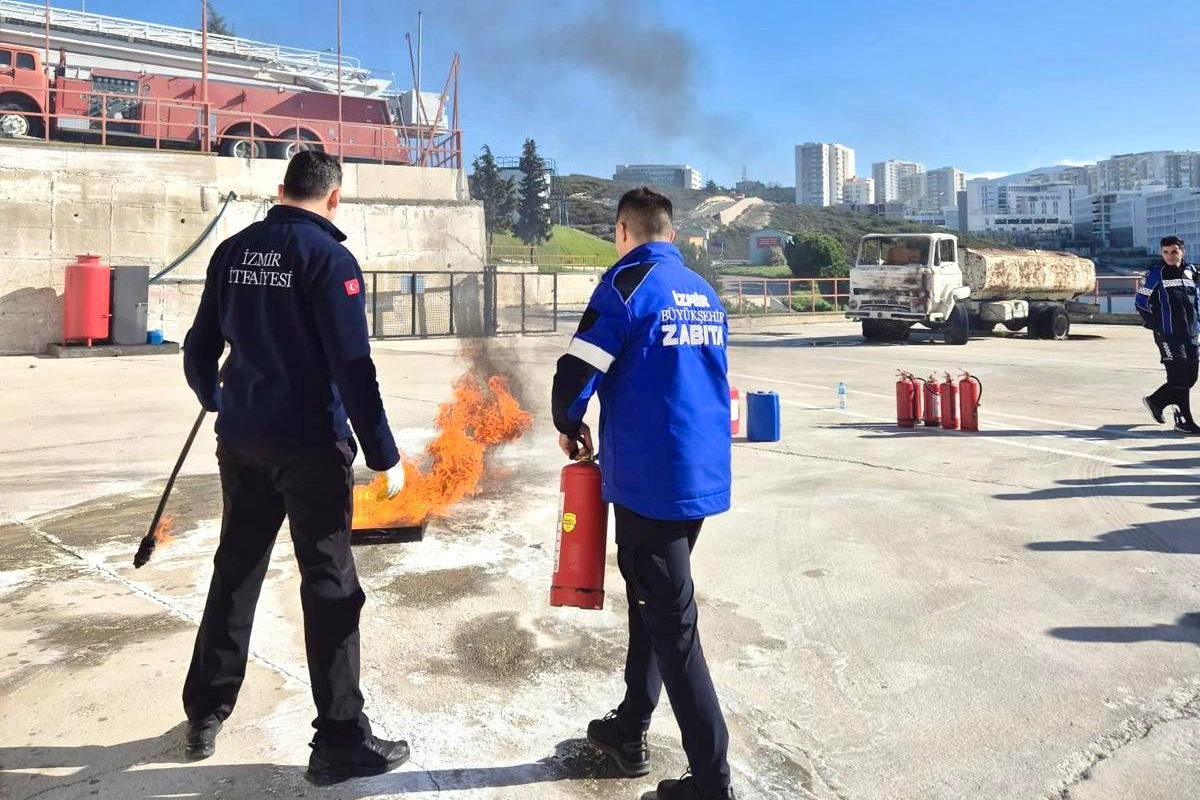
<point x="744" y="295"/>
<point x="489" y="302"/>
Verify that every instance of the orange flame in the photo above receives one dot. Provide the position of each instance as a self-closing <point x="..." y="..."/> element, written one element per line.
<point x="477" y="419"/>
<point x="164" y="532"/>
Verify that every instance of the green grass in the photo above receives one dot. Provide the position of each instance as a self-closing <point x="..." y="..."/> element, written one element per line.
<point x="757" y="272"/>
<point x="567" y="242"/>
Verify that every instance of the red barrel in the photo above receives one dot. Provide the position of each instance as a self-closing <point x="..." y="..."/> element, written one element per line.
<point x="86" y="304"/>
<point x="582" y="534"/>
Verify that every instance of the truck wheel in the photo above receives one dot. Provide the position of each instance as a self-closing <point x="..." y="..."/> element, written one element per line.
<point x="237" y="147"/>
<point x="1058" y="324"/>
<point x="957" y="330"/>
<point x="298" y="141"/>
<point x="17" y="122"/>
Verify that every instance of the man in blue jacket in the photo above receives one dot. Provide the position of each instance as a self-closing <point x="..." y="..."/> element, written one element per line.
<point x="1167" y="303"/>
<point x="652" y="345"/>
<point x="288" y="299"/>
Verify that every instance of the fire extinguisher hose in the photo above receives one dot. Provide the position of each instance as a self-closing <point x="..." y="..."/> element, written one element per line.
<point x="976" y="379"/>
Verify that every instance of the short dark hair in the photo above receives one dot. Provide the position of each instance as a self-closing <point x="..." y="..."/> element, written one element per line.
<point x="1171" y="241"/>
<point x="648" y="214"/>
<point x="311" y="175"/>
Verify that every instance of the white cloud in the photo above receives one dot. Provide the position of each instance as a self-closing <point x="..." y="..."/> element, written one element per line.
<point x="1075" y="162"/>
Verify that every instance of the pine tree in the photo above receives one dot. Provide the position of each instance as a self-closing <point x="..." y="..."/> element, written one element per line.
<point x="497" y="194"/>
<point x="534" y="224"/>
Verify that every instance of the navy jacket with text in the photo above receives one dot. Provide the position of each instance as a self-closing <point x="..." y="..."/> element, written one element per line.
<point x="288" y="298"/>
<point x="652" y="345"/>
<point x="1167" y="303"/>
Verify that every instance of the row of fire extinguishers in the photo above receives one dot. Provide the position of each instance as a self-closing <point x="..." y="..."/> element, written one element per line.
<point x="950" y="404"/>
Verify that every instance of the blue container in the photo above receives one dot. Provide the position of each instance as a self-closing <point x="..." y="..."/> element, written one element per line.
<point x="154" y="337"/>
<point x="762" y="412"/>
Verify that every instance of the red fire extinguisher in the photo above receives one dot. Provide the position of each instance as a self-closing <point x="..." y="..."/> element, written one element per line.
<point x="949" y="393"/>
<point x="582" y="533"/>
<point x="970" y="395"/>
<point x="908" y="400"/>
<point x="933" y="403"/>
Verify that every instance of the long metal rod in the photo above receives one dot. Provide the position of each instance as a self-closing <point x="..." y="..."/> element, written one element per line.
<point x="341" y="138"/>
<point x="47" y="33"/>
<point x="205" y="128"/>
<point x="150" y="541"/>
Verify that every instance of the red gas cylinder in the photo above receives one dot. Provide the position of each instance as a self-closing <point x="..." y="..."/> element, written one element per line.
<point x="970" y="395"/>
<point x="86" y="306"/>
<point x="933" y="403"/>
<point x="582" y="533"/>
<point x="735" y="411"/>
<point x="908" y="400"/>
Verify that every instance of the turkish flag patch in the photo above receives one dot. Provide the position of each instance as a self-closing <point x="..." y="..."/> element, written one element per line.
<point x="353" y="287"/>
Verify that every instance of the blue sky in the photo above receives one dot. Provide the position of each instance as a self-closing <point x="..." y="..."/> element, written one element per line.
<point x="986" y="87"/>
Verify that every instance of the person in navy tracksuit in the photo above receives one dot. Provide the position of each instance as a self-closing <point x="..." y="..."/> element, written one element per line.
<point x="652" y="345"/>
<point x="287" y="297"/>
<point x="1167" y="303"/>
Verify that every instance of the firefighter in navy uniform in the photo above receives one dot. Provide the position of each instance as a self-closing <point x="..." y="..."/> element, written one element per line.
<point x="652" y="345"/>
<point x="287" y="297"/>
<point x="1168" y="306"/>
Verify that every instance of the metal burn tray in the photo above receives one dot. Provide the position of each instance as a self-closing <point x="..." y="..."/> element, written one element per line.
<point x="399" y="534"/>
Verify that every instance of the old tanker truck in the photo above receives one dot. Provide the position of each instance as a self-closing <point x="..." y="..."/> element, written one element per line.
<point x="903" y="280"/>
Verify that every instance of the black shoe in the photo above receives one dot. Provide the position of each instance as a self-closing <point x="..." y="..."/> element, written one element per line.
<point x="1185" y="425"/>
<point x="685" y="789"/>
<point x="201" y="739"/>
<point x="1155" y="411"/>
<point x="329" y="763"/>
<point x="631" y="754"/>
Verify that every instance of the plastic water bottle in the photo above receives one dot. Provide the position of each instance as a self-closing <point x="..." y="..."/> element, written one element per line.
<point x="841" y="396"/>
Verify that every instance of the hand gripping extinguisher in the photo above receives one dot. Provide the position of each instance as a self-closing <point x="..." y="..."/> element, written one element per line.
<point x="970" y="395"/>
<point x="933" y="403"/>
<point x="582" y="533"/>
<point x="949" y="394"/>
<point x="908" y="400"/>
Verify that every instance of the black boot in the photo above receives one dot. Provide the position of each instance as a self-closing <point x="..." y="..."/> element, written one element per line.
<point x="201" y="741"/>
<point x="629" y="752"/>
<point x="1185" y="424"/>
<point x="1155" y="407"/>
<point x="685" y="789"/>
<point x="329" y="764"/>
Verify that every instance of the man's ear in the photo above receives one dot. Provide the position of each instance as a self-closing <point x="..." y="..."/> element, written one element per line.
<point x="279" y="193"/>
<point x="671" y="238"/>
<point x="335" y="198"/>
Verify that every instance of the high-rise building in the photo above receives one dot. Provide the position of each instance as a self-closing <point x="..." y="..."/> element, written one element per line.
<point x="821" y="173"/>
<point x="889" y="176"/>
<point x="859" y="192"/>
<point x="1171" y="169"/>
<point x="676" y="176"/>
<point x="942" y="187"/>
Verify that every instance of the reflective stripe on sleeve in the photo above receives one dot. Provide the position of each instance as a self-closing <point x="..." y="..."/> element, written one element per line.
<point x="590" y="354"/>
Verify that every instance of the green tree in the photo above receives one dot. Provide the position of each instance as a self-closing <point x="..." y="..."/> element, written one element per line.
<point x="534" y="224"/>
<point x="218" y="25"/>
<point x="711" y="187"/>
<point x="817" y="255"/>
<point x="497" y="194"/>
<point x="698" y="261"/>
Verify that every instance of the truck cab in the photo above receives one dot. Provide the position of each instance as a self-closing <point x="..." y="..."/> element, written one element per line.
<point x="23" y="86"/>
<point x="901" y="279"/>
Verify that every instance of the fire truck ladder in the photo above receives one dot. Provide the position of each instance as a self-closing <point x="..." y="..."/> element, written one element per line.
<point x="146" y="40"/>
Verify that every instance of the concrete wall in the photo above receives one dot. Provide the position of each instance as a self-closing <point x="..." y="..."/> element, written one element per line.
<point x="134" y="207"/>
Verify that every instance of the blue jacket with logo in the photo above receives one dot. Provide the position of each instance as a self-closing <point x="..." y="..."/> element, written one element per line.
<point x="1168" y="304"/>
<point x="288" y="298"/>
<point x="652" y="345"/>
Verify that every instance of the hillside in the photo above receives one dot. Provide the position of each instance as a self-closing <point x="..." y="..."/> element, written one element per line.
<point x="566" y="241"/>
<point x="592" y="204"/>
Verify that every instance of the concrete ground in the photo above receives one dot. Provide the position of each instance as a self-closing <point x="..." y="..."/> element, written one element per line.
<point x="888" y="613"/>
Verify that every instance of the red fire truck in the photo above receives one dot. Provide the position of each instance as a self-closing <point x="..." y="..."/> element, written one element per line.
<point x="262" y="101"/>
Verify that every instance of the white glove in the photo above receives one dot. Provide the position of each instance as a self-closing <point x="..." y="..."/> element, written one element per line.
<point x="393" y="480"/>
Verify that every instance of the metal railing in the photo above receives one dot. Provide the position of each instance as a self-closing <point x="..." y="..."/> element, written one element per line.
<point x="183" y="124"/>
<point x="416" y="304"/>
<point x="518" y="254"/>
<point x="748" y="295"/>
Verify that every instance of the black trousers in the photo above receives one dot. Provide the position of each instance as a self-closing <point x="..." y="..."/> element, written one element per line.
<point x="1181" y="377"/>
<point x="655" y="557"/>
<point x="314" y="488"/>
